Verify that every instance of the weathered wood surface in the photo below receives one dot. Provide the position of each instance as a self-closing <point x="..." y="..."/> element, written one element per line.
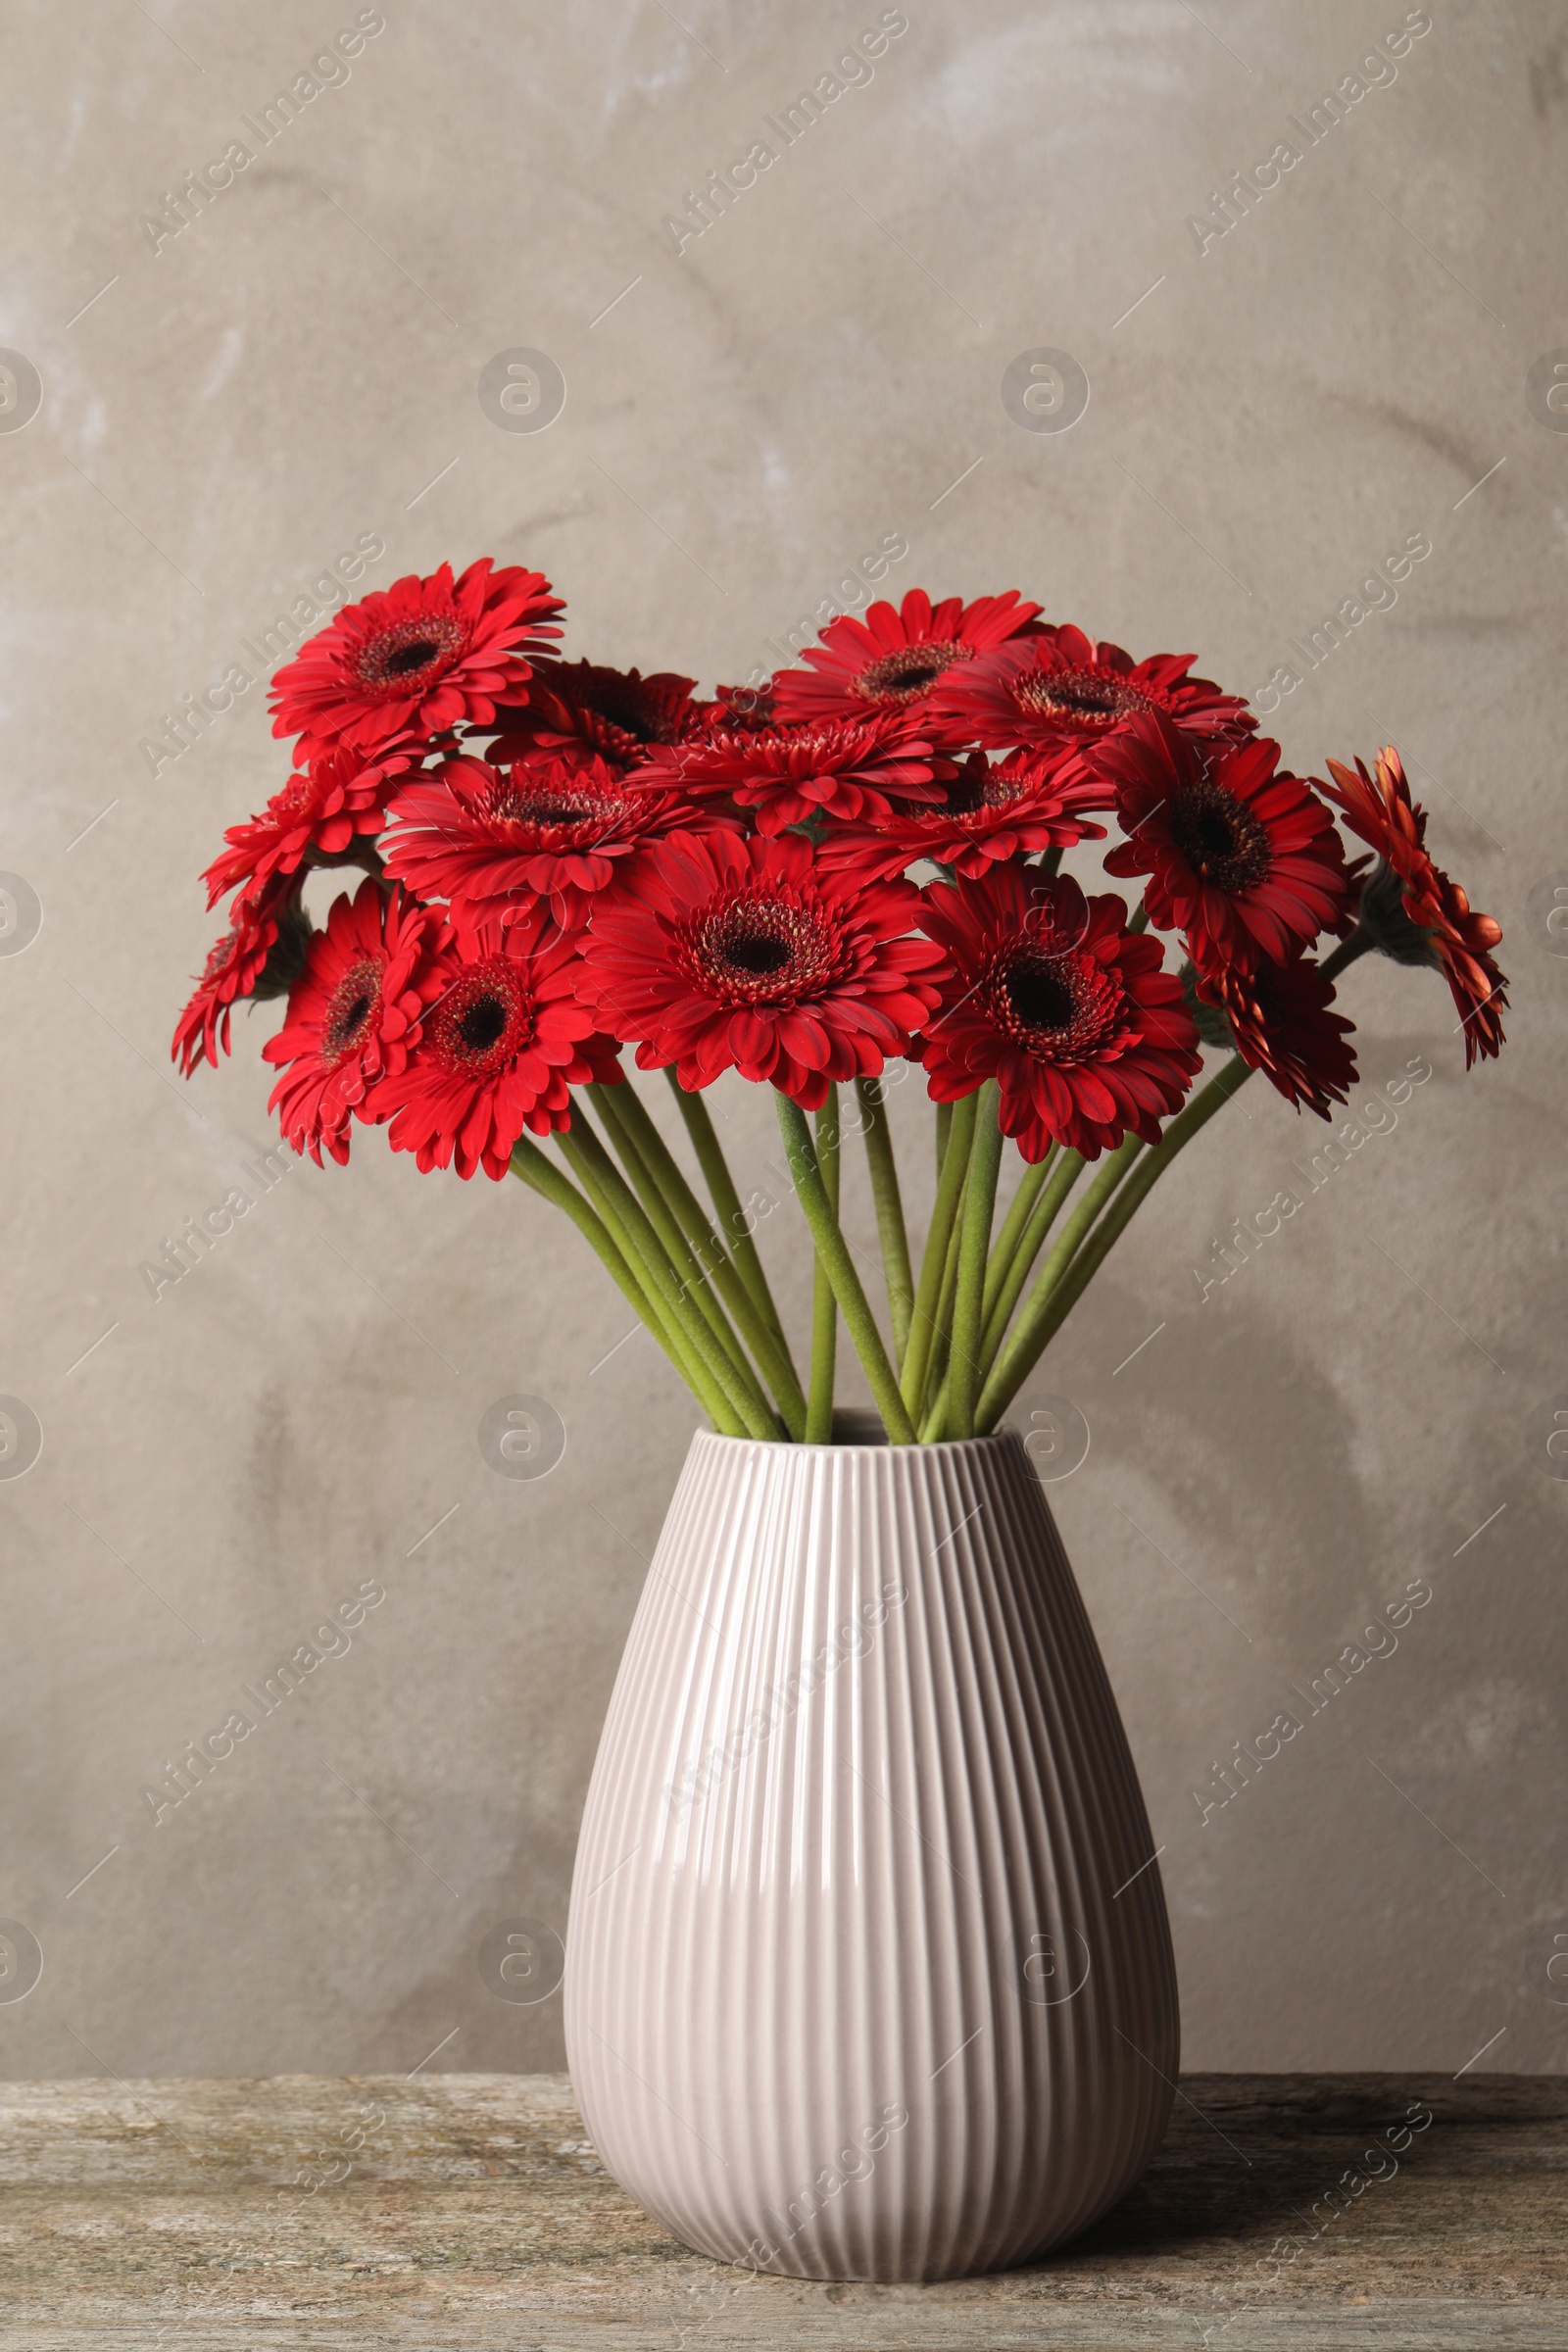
<point x="470" y="2211"/>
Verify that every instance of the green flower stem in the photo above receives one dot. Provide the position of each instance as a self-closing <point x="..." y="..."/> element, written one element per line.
<point x="968" y="1306"/>
<point x="734" y="1223"/>
<point x="1009" y="1269"/>
<point x="944" y="1130"/>
<point x="689" y="1261"/>
<point x="1063" y="1283"/>
<point x="1015" y="1222"/>
<point x="1023" y="1346"/>
<point x="649" y="1302"/>
<point x="890" y="1224"/>
<point x="934" y="1404"/>
<point x="954" y="1165"/>
<point x="824" y="1306"/>
<point x="833" y="1250"/>
<point x="545" y="1178"/>
<point x="677" y="1344"/>
<point x="624" y="1104"/>
<point x="1361" y="941"/>
<point x="624" y="1214"/>
<point x="999" y="1310"/>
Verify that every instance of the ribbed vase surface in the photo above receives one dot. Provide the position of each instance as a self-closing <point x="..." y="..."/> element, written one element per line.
<point x="869" y="1974"/>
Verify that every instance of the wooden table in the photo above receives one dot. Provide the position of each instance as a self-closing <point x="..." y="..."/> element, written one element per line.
<point x="469" y="2210"/>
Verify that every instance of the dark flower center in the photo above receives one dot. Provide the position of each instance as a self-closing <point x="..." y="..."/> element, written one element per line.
<point x="483" y="1020"/>
<point x="634" y="713"/>
<point x="357" y="996"/>
<point x="977" y="788"/>
<point x="1040" y="997"/>
<point x="1219" y="836"/>
<point x="759" y="956"/>
<point x="904" y="674"/>
<point x="747" y="950"/>
<point x="527" y="808"/>
<point x="1089" y="700"/>
<point x="482" y="1023"/>
<point x="411" y="653"/>
<point x="1058" y="1007"/>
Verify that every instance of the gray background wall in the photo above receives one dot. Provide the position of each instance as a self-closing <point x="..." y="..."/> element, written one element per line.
<point x="1268" y="418"/>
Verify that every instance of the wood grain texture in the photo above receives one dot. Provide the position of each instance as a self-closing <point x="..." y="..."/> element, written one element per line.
<point x="469" y="2210"/>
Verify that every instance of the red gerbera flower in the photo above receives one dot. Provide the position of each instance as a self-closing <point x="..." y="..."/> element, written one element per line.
<point x="739" y="710"/>
<point x="232" y="971"/>
<point x="500" y="1047"/>
<point x="1059" y="691"/>
<point x="893" y="657"/>
<point x="1241" y="855"/>
<point x="494" y="845"/>
<point x="848" y="768"/>
<point x="987" y="814"/>
<point x="1069" y="1012"/>
<point x="1458" y="939"/>
<point x="322" y="809"/>
<point x="581" y="707"/>
<point x="1280" y="1023"/>
<point x="419" y="657"/>
<point x="723" y="952"/>
<point x="353" y="1014"/>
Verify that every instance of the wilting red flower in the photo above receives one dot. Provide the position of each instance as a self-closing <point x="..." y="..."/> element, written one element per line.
<point x="723" y="952"/>
<point x="1279" y="1020"/>
<point x="322" y="807"/>
<point x="495" y="844"/>
<point x="582" y="707"/>
<point x="1239" y="855"/>
<point x="987" y="814"/>
<point x="838" y="768"/>
<point x="1460" y="941"/>
<point x="893" y="657"/>
<point x="1057" y="690"/>
<point x="419" y="657"/>
<point x="500" y="1047"/>
<point x="232" y="971"/>
<point x="353" y="1014"/>
<point x="1070" y="1012"/>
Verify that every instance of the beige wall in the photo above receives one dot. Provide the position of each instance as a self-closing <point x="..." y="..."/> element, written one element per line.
<point x="298" y="368"/>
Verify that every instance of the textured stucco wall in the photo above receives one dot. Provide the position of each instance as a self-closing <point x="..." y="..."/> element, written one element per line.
<point x="1342" y="370"/>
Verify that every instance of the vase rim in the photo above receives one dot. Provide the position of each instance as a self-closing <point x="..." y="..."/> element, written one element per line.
<point x="792" y="1446"/>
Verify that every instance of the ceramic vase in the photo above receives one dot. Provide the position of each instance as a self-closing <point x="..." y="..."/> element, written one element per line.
<point x="868" y="1973"/>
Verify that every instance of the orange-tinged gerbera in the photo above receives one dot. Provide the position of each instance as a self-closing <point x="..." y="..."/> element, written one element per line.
<point x="1457" y="939"/>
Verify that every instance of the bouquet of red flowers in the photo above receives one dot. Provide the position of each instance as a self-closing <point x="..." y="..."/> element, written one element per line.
<point x="853" y="866"/>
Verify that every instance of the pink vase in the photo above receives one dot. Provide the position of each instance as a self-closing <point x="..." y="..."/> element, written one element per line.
<point x="869" y="1974"/>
